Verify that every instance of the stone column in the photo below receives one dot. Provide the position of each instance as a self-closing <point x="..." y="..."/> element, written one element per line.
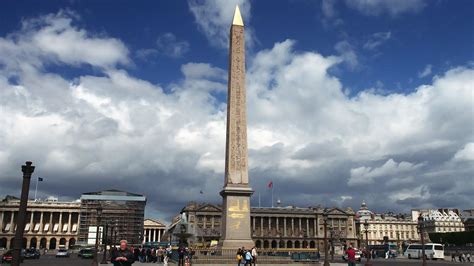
<point x="159" y="235"/>
<point x="269" y="225"/>
<point x="278" y="224"/>
<point x="253" y="224"/>
<point x="41" y="229"/>
<point x="315" y="224"/>
<point x="50" y="222"/>
<point x="284" y="227"/>
<point x="292" y="226"/>
<point x="307" y="226"/>
<point x="60" y="222"/>
<point x="31" y="221"/>
<point x="212" y="222"/>
<point x="261" y="225"/>
<point x="2" y="215"/>
<point x="149" y="235"/>
<point x="299" y="226"/>
<point x="12" y="226"/>
<point x="69" y="229"/>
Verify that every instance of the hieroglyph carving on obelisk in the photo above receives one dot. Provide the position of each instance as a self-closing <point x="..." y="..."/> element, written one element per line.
<point x="236" y="193"/>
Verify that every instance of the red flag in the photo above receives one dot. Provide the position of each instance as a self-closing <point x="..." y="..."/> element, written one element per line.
<point x="270" y="185"/>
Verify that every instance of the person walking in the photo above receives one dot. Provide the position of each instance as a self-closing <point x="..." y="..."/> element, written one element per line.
<point x="453" y="257"/>
<point x="239" y="256"/>
<point x="122" y="256"/>
<point x="468" y="257"/>
<point x="351" y="260"/>
<point x="254" y="256"/>
<point x="248" y="258"/>
<point x="167" y="254"/>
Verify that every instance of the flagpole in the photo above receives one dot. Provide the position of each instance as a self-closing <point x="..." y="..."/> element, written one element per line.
<point x="259" y="202"/>
<point x="36" y="189"/>
<point x="272" y="194"/>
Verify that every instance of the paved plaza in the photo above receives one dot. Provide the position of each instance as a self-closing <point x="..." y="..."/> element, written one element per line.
<point x="74" y="261"/>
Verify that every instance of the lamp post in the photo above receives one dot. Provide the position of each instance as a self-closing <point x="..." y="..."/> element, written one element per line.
<point x="366" y="226"/>
<point x="99" y="217"/>
<point x="326" y="255"/>
<point x="27" y="170"/>
<point x="104" y="243"/>
<point x="421" y="227"/>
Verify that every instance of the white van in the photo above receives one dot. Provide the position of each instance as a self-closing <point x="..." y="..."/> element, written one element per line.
<point x="432" y="251"/>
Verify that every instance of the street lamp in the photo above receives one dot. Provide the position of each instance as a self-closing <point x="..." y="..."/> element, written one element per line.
<point x="326" y="255"/>
<point x="98" y="220"/>
<point x="104" y="243"/>
<point x="366" y="226"/>
<point x="27" y="170"/>
<point x="421" y="227"/>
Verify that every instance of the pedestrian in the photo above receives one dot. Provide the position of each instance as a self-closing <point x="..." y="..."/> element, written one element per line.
<point x="159" y="254"/>
<point x="460" y="257"/>
<point x="468" y="257"/>
<point x="122" y="256"/>
<point x="248" y="258"/>
<point x="254" y="256"/>
<point x="351" y="256"/>
<point x="167" y="254"/>
<point x="463" y="256"/>
<point x="239" y="256"/>
<point x="181" y="253"/>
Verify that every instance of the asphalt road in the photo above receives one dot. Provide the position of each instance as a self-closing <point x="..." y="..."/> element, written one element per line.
<point x="74" y="261"/>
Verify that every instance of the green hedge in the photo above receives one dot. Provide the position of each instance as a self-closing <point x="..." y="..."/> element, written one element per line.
<point x="453" y="238"/>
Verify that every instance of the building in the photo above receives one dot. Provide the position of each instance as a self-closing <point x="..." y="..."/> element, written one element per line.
<point x="122" y="210"/>
<point x="49" y="223"/>
<point x="440" y="220"/>
<point x="386" y="227"/>
<point x="153" y="230"/>
<point x="467" y="217"/>
<point x="279" y="227"/>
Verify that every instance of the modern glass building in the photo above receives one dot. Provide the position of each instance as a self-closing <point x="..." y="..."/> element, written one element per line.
<point x="122" y="212"/>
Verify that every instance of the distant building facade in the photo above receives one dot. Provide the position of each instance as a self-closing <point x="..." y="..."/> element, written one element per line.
<point x="467" y="217"/>
<point x="153" y="230"/>
<point x="49" y="223"/>
<point x="386" y="227"/>
<point x="122" y="209"/>
<point x="279" y="227"/>
<point x="440" y="220"/>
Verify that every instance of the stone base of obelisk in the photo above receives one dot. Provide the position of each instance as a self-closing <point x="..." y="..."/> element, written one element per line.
<point x="236" y="231"/>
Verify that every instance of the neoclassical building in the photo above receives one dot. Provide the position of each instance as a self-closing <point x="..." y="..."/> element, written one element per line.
<point x="387" y="227"/>
<point x="153" y="230"/>
<point x="49" y="223"/>
<point x="440" y="220"/>
<point x="279" y="227"/>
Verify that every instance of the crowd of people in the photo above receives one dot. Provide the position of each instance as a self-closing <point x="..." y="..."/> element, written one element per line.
<point x="247" y="256"/>
<point x="126" y="256"/>
<point x="462" y="257"/>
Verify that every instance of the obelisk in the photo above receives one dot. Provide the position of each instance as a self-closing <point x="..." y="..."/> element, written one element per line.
<point x="236" y="192"/>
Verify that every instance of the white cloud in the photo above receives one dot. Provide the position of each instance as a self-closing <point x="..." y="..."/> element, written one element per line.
<point x="377" y="39"/>
<point x="347" y="53"/>
<point x="426" y="72"/>
<point x="390" y="7"/>
<point x="168" y="45"/>
<point x="466" y="153"/>
<point x="91" y="131"/>
<point x="368" y="175"/>
<point x="214" y="19"/>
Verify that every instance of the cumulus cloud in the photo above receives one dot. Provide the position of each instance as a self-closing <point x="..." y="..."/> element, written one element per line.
<point x="466" y="153"/>
<point x="390" y="7"/>
<point x="170" y="46"/>
<point x="426" y="71"/>
<point x="213" y="18"/>
<point x="113" y="130"/>
<point x="348" y="54"/>
<point x="377" y="39"/>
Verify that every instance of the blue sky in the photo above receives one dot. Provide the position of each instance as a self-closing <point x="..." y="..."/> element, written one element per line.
<point x="343" y="95"/>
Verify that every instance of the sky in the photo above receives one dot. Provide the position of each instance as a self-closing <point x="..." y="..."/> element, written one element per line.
<point x="348" y="100"/>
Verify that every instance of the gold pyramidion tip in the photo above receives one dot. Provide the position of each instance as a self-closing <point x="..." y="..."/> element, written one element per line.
<point x="237" y="17"/>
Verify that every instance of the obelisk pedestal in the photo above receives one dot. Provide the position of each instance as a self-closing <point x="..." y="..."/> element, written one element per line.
<point x="236" y="192"/>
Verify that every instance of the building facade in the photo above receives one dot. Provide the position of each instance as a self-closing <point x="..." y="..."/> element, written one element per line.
<point x="388" y="227"/>
<point x="279" y="227"/>
<point x="440" y="220"/>
<point x="122" y="210"/>
<point x="50" y="223"/>
<point x="467" y="217"/>
<point x="153" y="230"/>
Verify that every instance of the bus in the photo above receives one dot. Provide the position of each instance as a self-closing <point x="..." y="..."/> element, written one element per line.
<point x="381" y="250"/>
<point x="432" y="251"/>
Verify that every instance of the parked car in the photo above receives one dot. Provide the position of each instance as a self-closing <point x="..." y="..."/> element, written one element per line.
<point x="62" y="253"/>
<point x="7" y="257"/>
<point x="358" y="255"/>
<point x="86" y="253"/>
<point x="32" y="253"/>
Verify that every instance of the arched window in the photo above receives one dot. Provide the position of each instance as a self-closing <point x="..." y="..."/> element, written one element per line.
<point x="52" y="243"/>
